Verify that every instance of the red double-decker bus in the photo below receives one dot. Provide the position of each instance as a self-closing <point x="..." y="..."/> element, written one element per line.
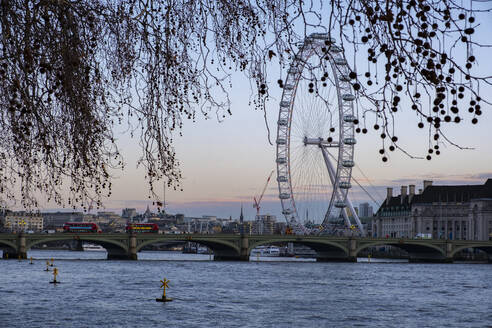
<point x="80" y="227"/>
<point x="142" y="227"/>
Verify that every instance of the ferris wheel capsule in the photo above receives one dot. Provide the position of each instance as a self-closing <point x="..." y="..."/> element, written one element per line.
<point x="340" y="61"/>
<point x="284" y="196"/>
<point x="282" y="121"/>
<point x="348" y="163"/>
<point x="349" y="141"/>
<point x="345" y="185"/>
<point x="282" y="178"/>
<point x="349" y="118"/>
<point x="284" y="103"/>
<point x="335" y="49"/>
<point x="348" y="97"/>
<point x="340" y="204"/>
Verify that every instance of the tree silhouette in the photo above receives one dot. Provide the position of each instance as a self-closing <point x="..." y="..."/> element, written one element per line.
<point x="71" y="70"/>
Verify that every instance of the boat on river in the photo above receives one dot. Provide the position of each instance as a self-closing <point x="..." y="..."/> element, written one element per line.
<point x="93" y="248"/>
<point x="268" y="251"/>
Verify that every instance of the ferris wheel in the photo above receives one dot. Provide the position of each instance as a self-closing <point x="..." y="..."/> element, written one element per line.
<point x="315" y="136"/>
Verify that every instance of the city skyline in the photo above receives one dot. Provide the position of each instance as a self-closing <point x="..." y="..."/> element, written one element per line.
<point x="225" y="164"/>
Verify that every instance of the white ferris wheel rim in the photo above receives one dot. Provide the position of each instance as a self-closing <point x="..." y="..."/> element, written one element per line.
<point x="344" y="98"/>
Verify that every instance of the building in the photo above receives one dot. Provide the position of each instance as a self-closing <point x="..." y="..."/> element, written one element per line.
<point x="365" y="210"/>
<point x="128" y="213"/>
<point x="53" y="220"/>
<point x="264" y="224"/>
<point x="462" y="212"/>
<point x="22" y="221"/>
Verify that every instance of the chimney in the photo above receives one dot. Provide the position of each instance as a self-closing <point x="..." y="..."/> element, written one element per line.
<point x="403" y="193"/>
<point x="389" y="195"/>
<point x="411" y="192"/>
<point x="427" y="183"/>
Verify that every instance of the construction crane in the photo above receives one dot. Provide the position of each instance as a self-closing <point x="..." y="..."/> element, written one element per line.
<point x="257" y="201"/>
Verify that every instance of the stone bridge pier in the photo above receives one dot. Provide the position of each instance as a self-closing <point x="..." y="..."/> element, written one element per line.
<point x="119" y="253"/>
<point x="224" y="253"/>
<point x="19" y="251"/>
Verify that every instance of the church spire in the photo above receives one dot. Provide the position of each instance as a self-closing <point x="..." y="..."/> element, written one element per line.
<point x="241" y="217"/>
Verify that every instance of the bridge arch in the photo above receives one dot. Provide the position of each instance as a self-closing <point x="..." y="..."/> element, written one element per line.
<point x="417" y="251"/>
<point x="8" y="244"/>
<point x="484" y="247"/>
<point x="222" y="249"/>
<point x="325" y="250"/>
<point x="116" y="248"/>
<point x="98" y="241"/>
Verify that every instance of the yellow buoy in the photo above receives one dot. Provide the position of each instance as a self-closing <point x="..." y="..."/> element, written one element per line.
<point x="55" y="273"/>
<point x="47" y="266"/>
<point x="164" y="285"/>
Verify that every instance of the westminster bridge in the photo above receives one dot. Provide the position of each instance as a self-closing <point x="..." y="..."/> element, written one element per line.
<point x="235" y="247"/>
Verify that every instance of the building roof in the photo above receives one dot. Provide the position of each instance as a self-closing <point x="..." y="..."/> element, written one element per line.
<point x="440" y="194"/>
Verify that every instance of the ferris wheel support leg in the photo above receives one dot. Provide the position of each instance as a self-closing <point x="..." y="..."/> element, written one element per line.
<point x="356" y="217"/>
<point x="331" y="172"/>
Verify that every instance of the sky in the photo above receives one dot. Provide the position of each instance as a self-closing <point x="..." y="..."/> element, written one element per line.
<point x="225" y="164"/>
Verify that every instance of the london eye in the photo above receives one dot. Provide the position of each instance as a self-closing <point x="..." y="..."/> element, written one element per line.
<point x="315" y="137"/>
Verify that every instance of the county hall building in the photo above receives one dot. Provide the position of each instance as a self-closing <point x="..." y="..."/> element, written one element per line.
<point x="462" y="212"/>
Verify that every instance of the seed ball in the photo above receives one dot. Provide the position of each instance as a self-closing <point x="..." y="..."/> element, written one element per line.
<point x="421" y="125"/>
<point x="428" y="157"/>
<point x="376" y="127"/>
<point x="364" y="130"/>
<point x="385" y="159"/>
<point x="438" y="152"/>
<point x="332" y="129"/>
<point x="391" y="148"/>
<point x="474" y="120"/>
<point x="381" y="151"/>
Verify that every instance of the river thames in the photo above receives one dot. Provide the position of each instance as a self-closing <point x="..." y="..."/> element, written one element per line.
<point x="95" y="292"/>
